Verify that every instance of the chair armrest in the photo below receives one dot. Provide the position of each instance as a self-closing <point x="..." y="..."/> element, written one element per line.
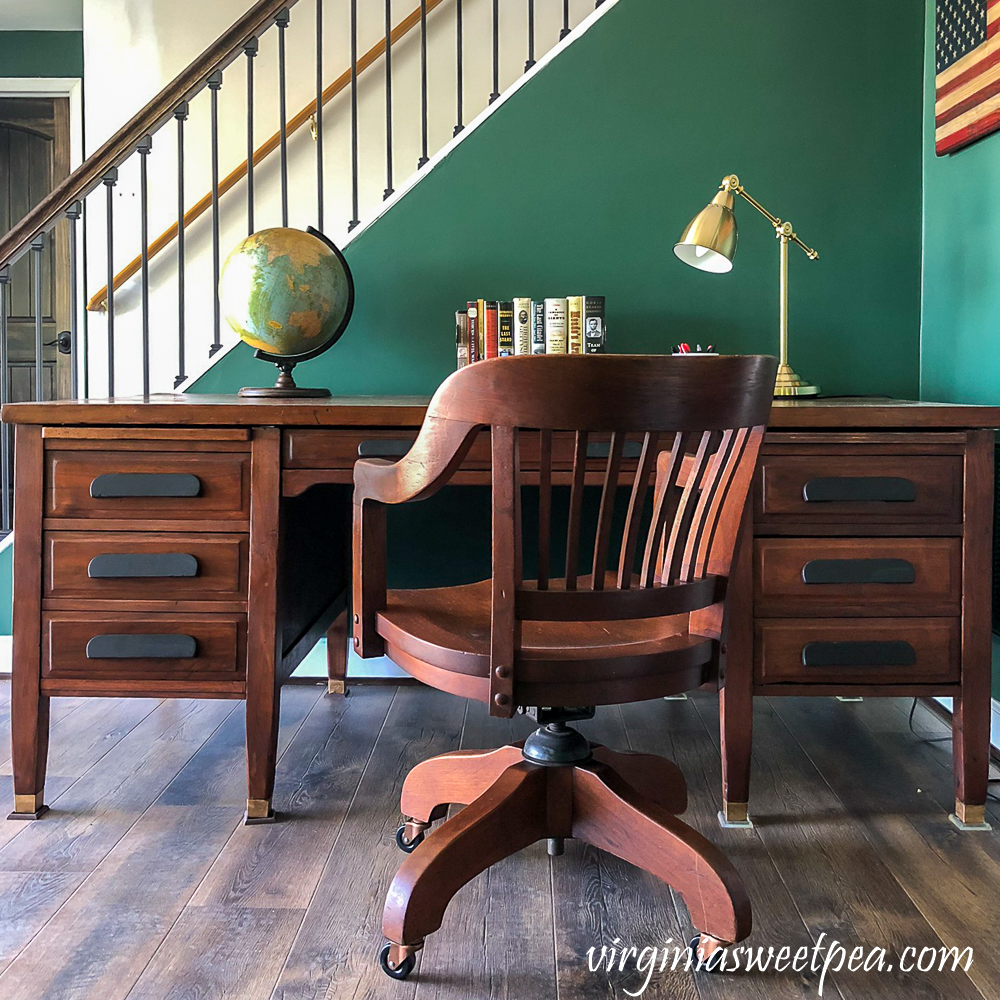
<point x="438" y="451"/>
<point x="440" y="448"/>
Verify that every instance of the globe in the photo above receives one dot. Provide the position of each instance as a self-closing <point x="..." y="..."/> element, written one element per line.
<point x="286" y="292"/>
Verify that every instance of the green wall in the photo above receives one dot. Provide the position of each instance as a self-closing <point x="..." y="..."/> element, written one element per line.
<point x="583" y="180"/>
<point x="960" y="340"/>
<point x="41" y="53"/>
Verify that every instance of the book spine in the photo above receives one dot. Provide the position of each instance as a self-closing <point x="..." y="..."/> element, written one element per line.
<point x="481" y="344"/>
<point x="490" y="331"/>
<point x="505" y="329"/>
<point x="462" y="338"/>
<point x="522" y="326"/>
<point x="574" y="324"/>
<point x="594" y="325"/>
<point x="537" y="327"/>
<point x="555" y="326"/>
<point x="473" y="315"/>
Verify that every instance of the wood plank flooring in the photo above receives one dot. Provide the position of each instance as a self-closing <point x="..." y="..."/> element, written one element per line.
<point x="142" y="881"/>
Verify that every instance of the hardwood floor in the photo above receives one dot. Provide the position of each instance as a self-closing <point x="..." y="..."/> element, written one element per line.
<point x="142" y="882"/>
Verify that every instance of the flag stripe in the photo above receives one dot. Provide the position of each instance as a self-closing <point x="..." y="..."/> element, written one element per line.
<point x="969" y="104"/>
<point x="948" y="101"/>
<point x="963" y="136"/>
<point x="970" y="118"/>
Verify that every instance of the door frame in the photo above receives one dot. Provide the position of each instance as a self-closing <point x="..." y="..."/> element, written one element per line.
<point x="71" y="88"/>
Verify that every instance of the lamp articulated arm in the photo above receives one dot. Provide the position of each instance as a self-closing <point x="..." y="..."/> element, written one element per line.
<point x="782" y="229"/>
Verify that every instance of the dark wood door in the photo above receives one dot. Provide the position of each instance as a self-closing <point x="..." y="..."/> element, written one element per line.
<point x="34" y="157"/>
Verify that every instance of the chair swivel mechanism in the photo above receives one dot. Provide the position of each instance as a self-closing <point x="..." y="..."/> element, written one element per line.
<point x="634" y="611"/>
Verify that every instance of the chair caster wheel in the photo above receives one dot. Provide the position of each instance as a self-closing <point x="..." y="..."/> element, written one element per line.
<point x="707" y="953"/>
<point x="408" y="846"/>
<point x="400" y="971"/>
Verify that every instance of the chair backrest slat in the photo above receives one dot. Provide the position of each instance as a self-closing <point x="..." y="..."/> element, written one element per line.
<point x="609" y="492"/>
<point x="666" y="498"/>
<point x="633" y="519"/>
<point x="576" y="509"/>
<point x="544" y="508"/>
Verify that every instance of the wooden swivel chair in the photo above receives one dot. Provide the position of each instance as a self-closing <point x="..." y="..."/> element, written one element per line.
<point x="648" y="625"/>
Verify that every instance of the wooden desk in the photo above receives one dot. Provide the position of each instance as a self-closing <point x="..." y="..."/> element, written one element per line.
<point x="174" y="547"/>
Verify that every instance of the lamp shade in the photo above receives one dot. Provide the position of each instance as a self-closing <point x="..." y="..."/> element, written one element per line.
<point x="709" y="241"/>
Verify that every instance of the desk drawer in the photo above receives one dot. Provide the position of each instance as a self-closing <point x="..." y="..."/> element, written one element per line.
<point x="867" y="577"/>
<point x="865" y="488"/>
<point x="147" y="485"/>
<point x="340" y="449"/>
<point x="849" y="651"/>
<point x="127" y="566"/>
<point x="143" y="647"/>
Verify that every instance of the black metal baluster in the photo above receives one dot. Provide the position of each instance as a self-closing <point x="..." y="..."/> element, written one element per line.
<point x="143" y="149"/>
<point x="250" y="51"/>
<point x="37" y="247"/>
<point x="354" y="117"/>
<point x="388" y="99"/>
<point x="181" y="115"/>
<point x="319" y="114"/>
<point x="423" y="83"/>
<point x="4" y="428"/>
<point x="214" y="86"/>
<point x="109" y="180"/>
<point x="281" y="21"/>
<point x="565" y="27"/>
<point x="496" y="51"/>
<point x="459" y="80"/>
<point x="531" y="36"/>
<point x="73" y="213"/>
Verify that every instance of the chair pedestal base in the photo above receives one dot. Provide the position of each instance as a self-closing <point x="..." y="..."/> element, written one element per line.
<point x="626" y="804"/>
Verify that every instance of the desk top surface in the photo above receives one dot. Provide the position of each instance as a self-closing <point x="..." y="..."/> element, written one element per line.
<point x="190" y="409"/>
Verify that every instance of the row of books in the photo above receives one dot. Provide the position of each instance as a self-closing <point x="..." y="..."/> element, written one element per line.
<point x="487" y="329"/>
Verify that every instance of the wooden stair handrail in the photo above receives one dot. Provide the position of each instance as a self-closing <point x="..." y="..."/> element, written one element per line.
<point x="99" y="299"/>
<point x="188" y="83"/>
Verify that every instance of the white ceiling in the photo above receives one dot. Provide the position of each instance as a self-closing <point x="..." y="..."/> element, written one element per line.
<point x="41" y="15"/>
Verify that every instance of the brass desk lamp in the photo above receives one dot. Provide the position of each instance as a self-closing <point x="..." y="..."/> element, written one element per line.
<point x="709" y="244"/>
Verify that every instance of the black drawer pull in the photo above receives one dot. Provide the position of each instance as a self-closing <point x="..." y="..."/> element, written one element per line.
<point x="848" y="489"/>
<point x="156" y="646"/>
<point x="858" y="571"/>
<point x="887" y="653"/>
<point x="119" y="565"/>
<point x="601" y="449"/>
<point x="145" y="484"/>
<point x="384" y="448"/>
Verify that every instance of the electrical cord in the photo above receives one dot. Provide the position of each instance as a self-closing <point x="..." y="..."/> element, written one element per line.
<point x="944" y="739"/>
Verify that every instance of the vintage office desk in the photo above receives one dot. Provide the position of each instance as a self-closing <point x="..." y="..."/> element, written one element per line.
<point x="173" y="547"/>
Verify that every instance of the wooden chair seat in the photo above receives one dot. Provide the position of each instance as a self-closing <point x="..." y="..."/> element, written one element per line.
<point x="442" y="636"/>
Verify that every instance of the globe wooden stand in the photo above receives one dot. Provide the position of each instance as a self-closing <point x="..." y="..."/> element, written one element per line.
<point x="284" y="388"/>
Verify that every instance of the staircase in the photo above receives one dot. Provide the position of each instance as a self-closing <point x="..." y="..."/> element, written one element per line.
<point x="305" y="112"/>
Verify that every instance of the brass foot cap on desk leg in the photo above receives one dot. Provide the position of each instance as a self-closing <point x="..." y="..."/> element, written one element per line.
<point x="969" y="819"/>
<point x="336" y="687"/>
<point x="259" y="811"/>
<point x="733" y="816"/>
<point x="28" y="807"/>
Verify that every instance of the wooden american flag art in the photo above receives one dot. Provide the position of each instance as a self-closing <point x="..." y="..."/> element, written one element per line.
<point x="967" y="63"/>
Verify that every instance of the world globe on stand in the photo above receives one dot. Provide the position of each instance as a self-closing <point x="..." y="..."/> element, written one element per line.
<point x="289" y="294"/>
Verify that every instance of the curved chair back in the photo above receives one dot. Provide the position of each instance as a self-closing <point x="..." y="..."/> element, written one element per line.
<point x="681" y="432"/>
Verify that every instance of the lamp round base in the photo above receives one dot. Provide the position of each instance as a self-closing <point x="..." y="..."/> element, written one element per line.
<point x="789" y="384"/>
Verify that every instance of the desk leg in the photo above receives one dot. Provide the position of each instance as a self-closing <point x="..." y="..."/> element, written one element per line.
<point x="29" y="708"/>
<point x="336" y="655"/>
<point x="736" y="695"/>
<point x="971" y="711"/>
<point x="263" y="627"/>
